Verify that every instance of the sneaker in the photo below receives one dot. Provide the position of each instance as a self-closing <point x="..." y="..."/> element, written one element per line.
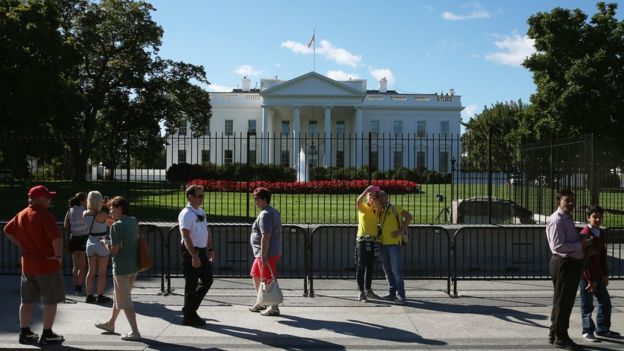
<point x="79" y="293"/>
<point x="52" y="338"/>
<point x="131" y="336"/>
<point x="400" y="300"/>
<point x="193" y="321"/>
<point x="362" y="297"/>
<point x="388" y="297"/>
<point x="371" y="295"/>
<point x="106" y="327"/>
<point x="90" y="299"/>
<point x="257" y="308"/>
<point x="271" y="312"/>
<point x="567" y="344"/>
<point x="590" y="337"/>
<point x="609" y="334"/>
<point x="103" y="299"/>
<point x="28" y="338"/>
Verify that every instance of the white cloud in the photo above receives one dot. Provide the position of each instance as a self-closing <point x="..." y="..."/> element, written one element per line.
<point x="379" y="73"/>
<point x="340" y="75"/>
<point x="278" y="65"/>
<point x="247" y="70"/>
<point x="219" y="88"/>
<point x="325" y="49"/>
<point x="469" y="111"/>
<point x="513" y="50"/>
<point x="474" y="11"/>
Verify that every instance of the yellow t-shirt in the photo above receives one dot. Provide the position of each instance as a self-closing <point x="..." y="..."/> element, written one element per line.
<point x="389" y="224"/>
<point x="367" y="221"/>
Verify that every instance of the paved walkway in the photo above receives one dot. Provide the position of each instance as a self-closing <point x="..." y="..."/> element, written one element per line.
<point x="489" y="315"/>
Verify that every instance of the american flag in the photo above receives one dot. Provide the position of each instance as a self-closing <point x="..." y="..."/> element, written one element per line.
<point x="311" y="40"/>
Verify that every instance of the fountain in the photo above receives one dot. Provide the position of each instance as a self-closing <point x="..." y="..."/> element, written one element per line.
<point x="302" y="167"/>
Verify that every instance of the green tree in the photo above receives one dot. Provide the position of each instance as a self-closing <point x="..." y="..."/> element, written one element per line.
<point x="498" y="125"/>
<point x="127" y="88"/>
<point x="579" y="73"/>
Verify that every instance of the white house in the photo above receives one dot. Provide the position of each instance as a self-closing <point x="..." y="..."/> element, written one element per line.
<point x="334" y="123"/>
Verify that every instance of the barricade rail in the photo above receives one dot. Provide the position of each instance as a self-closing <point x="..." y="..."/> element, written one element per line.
<point x="452" y="253"/>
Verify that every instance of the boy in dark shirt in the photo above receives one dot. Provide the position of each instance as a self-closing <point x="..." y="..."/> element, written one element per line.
<point x="595" y="279"/>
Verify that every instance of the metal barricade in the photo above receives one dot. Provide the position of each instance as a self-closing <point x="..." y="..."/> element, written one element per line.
<point x="615" y="256"/>
<point x="427" y="254"/>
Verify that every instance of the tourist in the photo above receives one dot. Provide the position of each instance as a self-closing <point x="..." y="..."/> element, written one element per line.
<point x="35" y="232"/>
<point x="366" y="242"/>
<point x="266" y="245"/>
<point x="78" y="235"/>
<point x="97" y="250"/>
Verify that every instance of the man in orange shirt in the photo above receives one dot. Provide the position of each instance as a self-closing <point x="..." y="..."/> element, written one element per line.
<point x="35" y="232"/>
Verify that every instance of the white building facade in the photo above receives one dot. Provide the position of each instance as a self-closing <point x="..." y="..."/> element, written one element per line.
<point x="330" y="123"/>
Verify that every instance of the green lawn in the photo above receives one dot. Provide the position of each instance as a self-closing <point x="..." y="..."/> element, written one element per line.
<point x="163" y="201"/>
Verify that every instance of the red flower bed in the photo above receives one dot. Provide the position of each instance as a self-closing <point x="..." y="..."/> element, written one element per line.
<point x="312" y="187"/>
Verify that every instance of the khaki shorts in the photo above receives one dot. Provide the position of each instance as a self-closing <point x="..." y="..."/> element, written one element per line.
<point x="47" y="287"/>
<point x="123" y="290"/>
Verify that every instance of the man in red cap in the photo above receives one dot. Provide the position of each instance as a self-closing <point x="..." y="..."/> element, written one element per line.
<point x="35" y="232"/>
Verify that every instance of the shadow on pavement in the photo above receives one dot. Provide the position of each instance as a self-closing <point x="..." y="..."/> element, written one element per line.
<point x="282" y="341"/>
<point x="359" y="329"/>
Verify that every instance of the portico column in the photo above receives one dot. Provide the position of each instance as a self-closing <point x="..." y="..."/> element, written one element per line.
<point x="359" y="130"/>
<point x="296" y="135"/>
<point x="328" y="128"/>
<point x="265" y="135"/>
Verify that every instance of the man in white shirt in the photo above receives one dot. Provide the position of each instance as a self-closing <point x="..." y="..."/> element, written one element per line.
<point x="197" y="254"/>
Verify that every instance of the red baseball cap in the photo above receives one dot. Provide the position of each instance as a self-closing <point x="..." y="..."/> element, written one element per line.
<point x="39" y="191"/>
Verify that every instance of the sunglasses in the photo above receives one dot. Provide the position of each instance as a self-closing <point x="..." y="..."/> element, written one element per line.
<point x="200" y="218"/>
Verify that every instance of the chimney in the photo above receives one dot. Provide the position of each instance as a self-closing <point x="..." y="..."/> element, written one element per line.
<point x="452" y="91"/>
<point x="383" y="85"/>
<point x="246" y="83"/>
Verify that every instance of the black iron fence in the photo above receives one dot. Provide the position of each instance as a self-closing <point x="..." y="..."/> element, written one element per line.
<point x="451" y="253"/>
<point x="440" y="179"/>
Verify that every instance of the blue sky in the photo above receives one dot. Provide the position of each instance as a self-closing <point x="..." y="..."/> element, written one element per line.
<point x="419" y="46"/>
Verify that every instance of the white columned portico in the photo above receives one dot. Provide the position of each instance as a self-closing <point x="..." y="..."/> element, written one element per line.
<point x="296" y="135"/>
<point x="327" y="128"/>
<point x="265" y="134"/>
<point x="359" y="130"/>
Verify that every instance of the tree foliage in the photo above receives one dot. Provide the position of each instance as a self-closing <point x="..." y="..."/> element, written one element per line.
<point x="499" y="126"/>
<point x="579" y="73"/>
<point x="95" y="79"/>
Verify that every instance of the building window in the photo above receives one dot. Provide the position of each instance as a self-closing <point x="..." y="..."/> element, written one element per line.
<point x="285" y="158"/>
<point x="251" y="156"/>
<point x="398" y="127"/>
<point x="228" y="156"/>
<point x="444" y="129"/>
<point x="340" y="158"/>
<point x="229" y="127"/>
<point x="285" y="128"/>
<point x="207" y="130"/>
<point x="421" y="129"/>
<point x="340" y="128"/>
<point x="398" y="159"/>
<point x="205" y="157"/>
<point x="374" y="127"/>
<point x="444" y="161"/>
<point x="313" y="128"/>
<point x="181" y="156"/>
<point x="182" y="130"/>
<point x="373" y="163"/>
<point x="421" y="158"/>
<point x="251" y="126"/>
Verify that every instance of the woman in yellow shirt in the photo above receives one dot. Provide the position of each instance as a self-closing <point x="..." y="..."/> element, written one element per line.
<point x="367" y="241"/>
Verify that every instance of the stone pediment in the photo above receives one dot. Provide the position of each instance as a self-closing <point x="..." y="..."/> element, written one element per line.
<point x="312" y="84"/>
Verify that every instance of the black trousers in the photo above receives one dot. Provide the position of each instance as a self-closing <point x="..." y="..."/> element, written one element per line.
<point x="565" y="274"/>
<point x="365" y="253"/>
<point x="197" y="280"/>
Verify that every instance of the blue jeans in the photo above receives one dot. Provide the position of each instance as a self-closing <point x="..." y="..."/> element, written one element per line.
<point x="391" y="261"/>
<point x="603" y="315"/>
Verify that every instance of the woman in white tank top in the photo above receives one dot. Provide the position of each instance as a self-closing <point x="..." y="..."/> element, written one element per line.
<point x="97" y="252"/>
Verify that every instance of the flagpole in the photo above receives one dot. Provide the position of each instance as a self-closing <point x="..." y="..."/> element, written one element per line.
<point x="314" y="54"/>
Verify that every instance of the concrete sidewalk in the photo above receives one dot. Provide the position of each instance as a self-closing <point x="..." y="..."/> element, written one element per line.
<point x="489" y="315"/>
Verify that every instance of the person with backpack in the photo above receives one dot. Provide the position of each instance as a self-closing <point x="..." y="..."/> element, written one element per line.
<point x="393" y="224"/>
<point x="366" y="242"/>
<point x="78" y="235"/>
